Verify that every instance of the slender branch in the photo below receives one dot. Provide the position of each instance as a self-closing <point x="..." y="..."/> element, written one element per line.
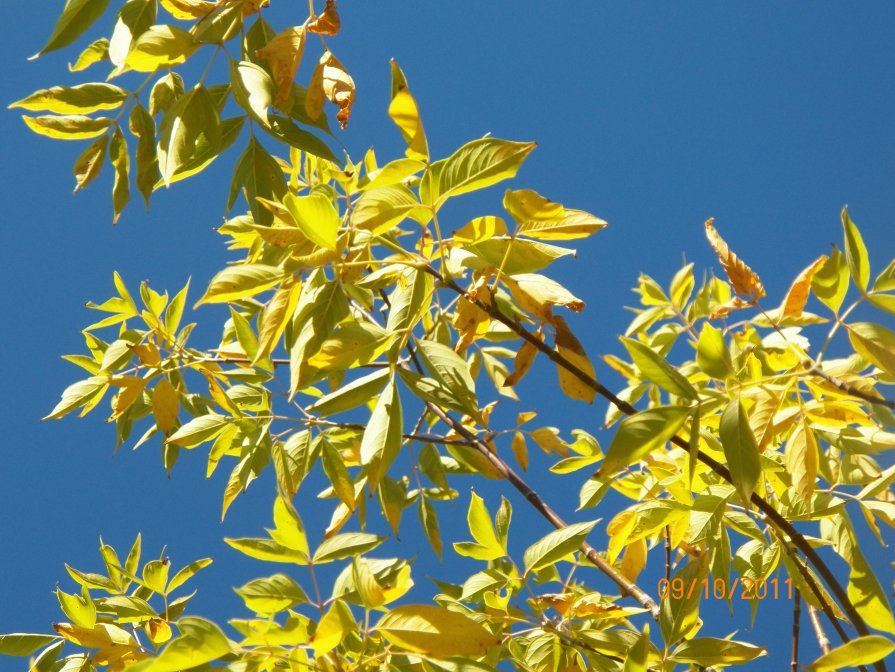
<point x="849" y="389"/>
<point x="822" y="639"/>
<point x="772" y="514"/>
<point x="796" y="615"/>
<point x="667" y="553"/>
<point x="627" y="587"/>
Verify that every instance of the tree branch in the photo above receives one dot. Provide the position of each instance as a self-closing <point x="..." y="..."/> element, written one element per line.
<point x="818" y="630"/>
<point x="849" y="389"/>
<point x="765" y="507"/>
<point x="796" y="615"/>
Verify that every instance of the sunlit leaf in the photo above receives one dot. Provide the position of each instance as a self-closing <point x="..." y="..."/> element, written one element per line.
<point x="556" y="545"/>
<point x="435" y="631"/>
<point x="81" y="99"/>
<point x="68" y="127"/>
<point x="875" y="343"/>
<point x="640" y="434"/>
<point x="404" y="112"/>
<point x="740" y="449"/>
<point x="77" y="16"/>
<point x="743" y="278"/>
<point x="855" y="252"/>
<point x="161" y="47"/>
<point x="860" y="651"/>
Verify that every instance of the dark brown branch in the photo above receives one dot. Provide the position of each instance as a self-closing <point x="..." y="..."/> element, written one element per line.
<point x="796" y="616"/>
<point x="849" y="389"/>
<point x="765" y="507"/>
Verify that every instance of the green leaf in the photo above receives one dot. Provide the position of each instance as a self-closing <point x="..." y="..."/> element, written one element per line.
<point x="656" y="370"/>
<point x="677" y="616"/>
<point x="80" y="611"/>
<point x="435" y="631"/>
<point x="855" y="252"/>
<point x="489" y="547"/>
<point x="346" y="545"/>
<point x="638" y="655"/>
<point x="382" y="438"/>
<point x="187" y="573"/>
<point x="640" y="434"/>
<point x="316" y="217"/>
<point x="237" y="282"/>
<point x="155" y="575"/>
<point x="288" y="528"/>
<point x="23" y="644"/>
<point x="271" y="595"/>
<point x="429" y="521"/>
<point x="285" y="130"/>
<point x="81" y="99"/>
<point x="134" y="19"/>
<point x="476" y="165"/>
<point x="860" y="651"/>
<point x="90" y="162"/>
<point x="572" y="224"/>
<point x="79" y="394"/>
<point x="337" y="473"/>
<point x="707" y="651"/>
<point x="77" y="16"/>
<point x="200" y="642"/>
<point x="556" y="545"/>
<point x="258" y="173"/>
<point x="190" y="123"/>
<point x="451" y="371"/>
<point x="526" y="256"/>
<point x="68" y="127"/>
<point x="121" y="163"/>
<point x="381" y="209"/>
<point x="161" y="47"/>
<point x="142" y="126"/>
<point x="351" y="395"/>
<point x="885" y="281"/>
<point x="253" y="89"/>
<point x="830" y="283"/>
<point x="874" y="343"/>
<point x="712" y="354"/>
<point x="200" y="429"/>
<point x="740" y="449"/>
<point x="868" y="596"/>
<point x="268" y="550"/>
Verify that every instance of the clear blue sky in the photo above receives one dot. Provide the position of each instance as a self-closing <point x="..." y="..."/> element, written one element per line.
<point x="655" y="116"/>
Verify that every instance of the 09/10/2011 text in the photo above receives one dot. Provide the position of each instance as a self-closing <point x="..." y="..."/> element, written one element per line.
<point x="720" y="589"/>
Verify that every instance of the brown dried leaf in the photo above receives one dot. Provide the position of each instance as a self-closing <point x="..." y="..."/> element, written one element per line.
<point x="797" y="296"/>
<point x="327" y="23"/>
<point x="284" y="53"/>
<point x="338" y="86"/>
<point x="744" y="280"/>
<point x="470" y="321"/>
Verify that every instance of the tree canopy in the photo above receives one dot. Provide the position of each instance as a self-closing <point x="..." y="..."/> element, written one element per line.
<point x="366" y="339"/>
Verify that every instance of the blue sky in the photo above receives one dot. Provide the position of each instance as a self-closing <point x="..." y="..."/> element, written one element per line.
<point x="655" y="116"/>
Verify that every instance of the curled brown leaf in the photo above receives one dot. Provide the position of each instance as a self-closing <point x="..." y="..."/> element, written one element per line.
<point x="744" y="280"/>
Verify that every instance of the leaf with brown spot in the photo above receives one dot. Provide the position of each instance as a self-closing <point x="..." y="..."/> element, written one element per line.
<point x="797" y="296"/>
<point x="744" y="280"/>
<point x="736" y="303"/>
<point x="284" y="53"/>
<point x="327" y="23"/>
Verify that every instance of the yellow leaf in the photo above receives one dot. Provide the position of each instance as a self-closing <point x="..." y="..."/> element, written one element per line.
<point x="569" y="347"/>
<point x="520" y="450"/>
<point x="333" y="627"/>
<point x="634" y="559"/>
<point x="548" y="440"/>
<point x="538" y="294"/>
<point x="68" y="126"/>
<point x="220" y="396"/>
<point x="284" y="53"/>
<point x="435" y="631"/>
<point x="148" y="354"/>
<point x="801" y="460"/>
<point x="165" y="406"/>
<point x="131" y="389"/>
<point x="338" y="86"/>
<point x="526" y="205"/>
<point x="480" y="229"/>
<point x="470" y="321"/>
<point x="158" y="630"/>
<point x="404" y="112"/>
<point x="276" y="315"/>
<point x="327" y="23"/>
<point x="736" y="303"/>
<point x="316" y="96"/>
<point x="797" y="296"/>
<point x="743" y="278"/>
<point x="188" y="9"/>
<point x="525" y="357"/>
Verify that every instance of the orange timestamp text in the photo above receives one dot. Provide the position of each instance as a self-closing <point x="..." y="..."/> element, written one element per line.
<point x="720" y="589"/>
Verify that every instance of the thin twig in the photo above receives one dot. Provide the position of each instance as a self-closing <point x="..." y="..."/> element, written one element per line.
<point x="819" y="633"/>
<point x="849" y="389"/>
<point x="796" y="615"/>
